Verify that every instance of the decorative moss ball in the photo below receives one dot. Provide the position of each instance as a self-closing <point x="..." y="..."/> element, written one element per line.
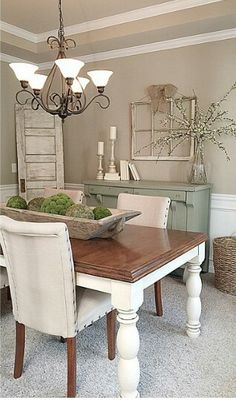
<point x="35" y="204"/>
<point x="57" y="204"/>
<point x="17" y="202"/>
<point x="80" y="211"/>
<point x="101" y="212"/>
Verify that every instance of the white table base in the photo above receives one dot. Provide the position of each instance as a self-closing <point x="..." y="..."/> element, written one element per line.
<point x="127" y="298"/>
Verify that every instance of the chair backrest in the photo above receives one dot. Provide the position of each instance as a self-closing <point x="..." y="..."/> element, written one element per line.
<point x="41" y="275"/>
<point x="76" y="195"/>
<point x="154" y="209"/>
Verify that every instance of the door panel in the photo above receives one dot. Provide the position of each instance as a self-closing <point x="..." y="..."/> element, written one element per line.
<point x="39" y="151"/>
<point x="40" y="145"/>
<point x="38" y="119"/>
<point x="40" y="171"/>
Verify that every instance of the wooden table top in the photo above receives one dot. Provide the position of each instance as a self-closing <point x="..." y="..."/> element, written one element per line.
<point x="133" y="253"/>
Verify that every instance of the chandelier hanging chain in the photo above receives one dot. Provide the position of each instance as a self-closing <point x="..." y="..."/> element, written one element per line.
<point x="61" y="31"/>
<point x="72" y="99"/>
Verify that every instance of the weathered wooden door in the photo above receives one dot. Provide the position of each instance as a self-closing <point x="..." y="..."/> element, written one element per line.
<point x="39" y="151"/>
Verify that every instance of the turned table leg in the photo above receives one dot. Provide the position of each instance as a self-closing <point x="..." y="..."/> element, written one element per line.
<point x="194" y="287"/>
<point x="128" y="347"/>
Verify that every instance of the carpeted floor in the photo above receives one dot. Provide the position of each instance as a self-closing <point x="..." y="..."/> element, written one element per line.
<point x="172" y="365"/>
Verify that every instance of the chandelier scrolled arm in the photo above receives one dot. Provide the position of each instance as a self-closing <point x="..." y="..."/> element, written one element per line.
<point x="71" y="99"/>
<point x="98" y="96"/>
<point x="35" y="101"/>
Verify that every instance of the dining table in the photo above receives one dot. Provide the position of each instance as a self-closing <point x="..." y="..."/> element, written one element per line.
<point x="124" y="266"/>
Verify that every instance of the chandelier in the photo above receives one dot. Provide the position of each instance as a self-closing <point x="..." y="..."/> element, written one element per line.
<point x="71" y="98"/>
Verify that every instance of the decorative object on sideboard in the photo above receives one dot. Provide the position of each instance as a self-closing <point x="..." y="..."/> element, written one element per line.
<point x="206" y="126"/>
<point x="72" y="99"/>
<point x="124" y="170"/>
<point x="147" y="128"/>
<point x="100" y="155"/>
<point x="134" y="172"/>
<point x="112" y="174"/>
<point x="159" y="95"/>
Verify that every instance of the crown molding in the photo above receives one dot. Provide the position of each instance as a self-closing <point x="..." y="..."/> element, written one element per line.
<point x="142" y="49"/>
<point x="105" y="22"/>
<point x="10" y="59"/>
<point x="154" y="47"/>
<point x="19" y="32"/>
<point x="130" y="16"/>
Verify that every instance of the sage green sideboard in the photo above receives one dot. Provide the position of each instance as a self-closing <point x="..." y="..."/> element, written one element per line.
<point x="189" y="209"/>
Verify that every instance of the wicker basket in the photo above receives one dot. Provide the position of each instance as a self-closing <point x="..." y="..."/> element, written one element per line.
<point x="224" y="258"/>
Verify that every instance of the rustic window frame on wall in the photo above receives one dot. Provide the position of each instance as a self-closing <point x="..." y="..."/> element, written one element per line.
<point x="136" y="153"/>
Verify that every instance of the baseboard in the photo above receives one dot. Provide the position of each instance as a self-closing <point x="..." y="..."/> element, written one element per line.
<point x="222" y="212"/>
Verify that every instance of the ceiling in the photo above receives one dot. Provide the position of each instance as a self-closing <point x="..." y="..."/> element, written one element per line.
<point x="44" y="17"/>
<point x="108" y="25"/>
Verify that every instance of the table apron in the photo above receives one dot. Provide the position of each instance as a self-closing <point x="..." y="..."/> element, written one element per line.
<point x="106" y="284"/>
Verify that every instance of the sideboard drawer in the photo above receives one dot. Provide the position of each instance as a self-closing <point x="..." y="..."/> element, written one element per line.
<point x="108" y="191"/>
<point x="174" y="195"/>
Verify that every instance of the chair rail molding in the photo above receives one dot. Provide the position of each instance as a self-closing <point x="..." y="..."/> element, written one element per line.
<point x="222" y="211"/>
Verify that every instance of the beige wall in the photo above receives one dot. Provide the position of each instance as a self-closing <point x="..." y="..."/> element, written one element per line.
<point x="9" y="86"/>
<point x="207" y="68"/>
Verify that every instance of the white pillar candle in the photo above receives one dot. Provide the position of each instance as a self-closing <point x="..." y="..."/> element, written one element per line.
<point x="100" y="148"/>
<point x="113" y="132"/>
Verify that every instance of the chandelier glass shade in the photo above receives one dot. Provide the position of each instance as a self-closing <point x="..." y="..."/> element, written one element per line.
<point x="62" y="91"/>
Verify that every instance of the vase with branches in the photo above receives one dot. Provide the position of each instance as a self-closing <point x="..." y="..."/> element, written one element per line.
<point x="206" y="126"/>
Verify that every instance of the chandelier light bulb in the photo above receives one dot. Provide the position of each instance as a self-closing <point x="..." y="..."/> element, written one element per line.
<point x="69" y="67"/>
<point x="79" y="84"/>
<point x="37" y="81"/>
<point x="100" y="78"/>
<point x="23" y="71"/>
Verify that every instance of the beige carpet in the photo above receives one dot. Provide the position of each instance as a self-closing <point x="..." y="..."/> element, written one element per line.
<point x="172" y="365"/>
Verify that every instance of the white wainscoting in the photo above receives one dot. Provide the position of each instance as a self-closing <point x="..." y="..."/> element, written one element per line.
<point x="222" y="218"/>
<point x="222" y="213"/>
<point x="7" y="191"/>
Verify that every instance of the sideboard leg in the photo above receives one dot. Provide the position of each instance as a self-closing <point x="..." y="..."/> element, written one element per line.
<point x="128" y="347"/>
<point x="194" y="287"/>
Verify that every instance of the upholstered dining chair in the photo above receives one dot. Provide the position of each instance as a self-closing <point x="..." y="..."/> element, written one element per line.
<point x="76" y="195"/>
<point x="44" y="295"/>
<point x="154" y="213"/>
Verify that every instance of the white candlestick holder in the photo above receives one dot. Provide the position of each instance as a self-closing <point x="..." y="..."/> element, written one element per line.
<point x="112" y="175"/>
<point x="100" y="168"/>
<point x="111" y="165"/>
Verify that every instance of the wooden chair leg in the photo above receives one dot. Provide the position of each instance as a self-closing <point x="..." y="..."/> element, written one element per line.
<point x="20" y="349"/>
<point x="71" y="367"/>
<point x="158" y="300"/>
<point x="8" y="294"/>
<point x="111" y="334"/>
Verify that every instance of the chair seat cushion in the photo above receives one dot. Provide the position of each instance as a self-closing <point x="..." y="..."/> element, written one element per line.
<point x="91" y="305"/>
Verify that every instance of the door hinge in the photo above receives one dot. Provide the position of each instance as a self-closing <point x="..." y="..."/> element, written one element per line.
<point x="22" y="185"/>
